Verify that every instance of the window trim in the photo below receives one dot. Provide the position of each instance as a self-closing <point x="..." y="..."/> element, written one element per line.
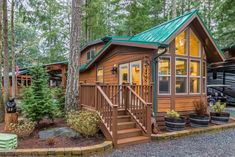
<point x="90" y="54"/>
<point x="198" y="77"/>
<point x="99" y="68"/>
<point x="200" y="45"/>
<point x="160" y="75"/>
<point x="182" y="76"/>
<point x="204" y="77"/>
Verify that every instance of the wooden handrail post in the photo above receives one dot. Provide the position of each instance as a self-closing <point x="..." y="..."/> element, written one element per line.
<point x="126" y="97"/>
<point x="96" y="97"/>
<point x="114" y="124"/>
<point x="148" y="119"/>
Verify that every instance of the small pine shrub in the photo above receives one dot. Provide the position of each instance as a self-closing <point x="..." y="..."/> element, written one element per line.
<point x="50" y="142"/>
<point x="23" y="128"/>
<point x="219" y="107"/>
<point x="37" y="100"/>
<point x="58" y="94"/>
<point x="173" y="114"/>
<point x="85" y="122"/>
<point x="200" y="107"/>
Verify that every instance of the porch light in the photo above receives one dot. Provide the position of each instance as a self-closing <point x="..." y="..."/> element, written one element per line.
<point x="114" y="69"/>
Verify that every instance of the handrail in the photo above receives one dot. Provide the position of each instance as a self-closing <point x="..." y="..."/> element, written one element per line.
<point x="106" y="97"/>
<point x="142" y="100"/>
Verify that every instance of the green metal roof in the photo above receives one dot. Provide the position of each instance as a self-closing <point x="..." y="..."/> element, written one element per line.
<point x="161" y="33"/>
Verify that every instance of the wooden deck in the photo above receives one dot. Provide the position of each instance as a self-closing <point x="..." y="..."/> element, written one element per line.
<point x="125" y="111"/>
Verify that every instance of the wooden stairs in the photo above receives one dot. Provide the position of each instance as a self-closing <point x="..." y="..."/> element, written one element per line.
<point x="128" y="132"/>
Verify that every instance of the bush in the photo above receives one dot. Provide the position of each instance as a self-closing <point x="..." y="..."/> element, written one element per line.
<point x="23" y="128"/>
<point x="37" y="101"/>
<point x="59" y="96"/>
<point x="219" y="107"/>
<point x="200" y="107"/>
<point x="173" y="114"/>
<point x="85" y="122"/>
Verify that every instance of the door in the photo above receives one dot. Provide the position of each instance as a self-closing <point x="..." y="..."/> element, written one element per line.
<point x="135" y="73"/>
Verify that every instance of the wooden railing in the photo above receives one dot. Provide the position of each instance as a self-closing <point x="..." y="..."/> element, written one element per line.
<point x="144" y="91"/>
<point x="139" y="109"/>
<point x="87" y="95"/>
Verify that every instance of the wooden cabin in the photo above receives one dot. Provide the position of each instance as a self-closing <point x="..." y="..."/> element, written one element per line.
<point x="57" y="77"/>
<point x="163" y="68"/>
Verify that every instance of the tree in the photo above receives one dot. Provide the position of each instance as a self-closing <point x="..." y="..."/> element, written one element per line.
<point x="1" y="94"/>
<point x="5" y="48"/>
<point x="72" y="92"/>
<point x="13" y="78"/>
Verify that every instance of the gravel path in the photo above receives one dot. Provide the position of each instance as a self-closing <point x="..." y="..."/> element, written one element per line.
<point x="204" y="145"/>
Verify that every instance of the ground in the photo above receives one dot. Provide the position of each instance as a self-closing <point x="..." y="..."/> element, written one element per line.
<point x="204" y="145"/>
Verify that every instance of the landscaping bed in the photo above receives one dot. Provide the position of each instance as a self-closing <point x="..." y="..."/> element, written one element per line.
<point x="33" y="141"/>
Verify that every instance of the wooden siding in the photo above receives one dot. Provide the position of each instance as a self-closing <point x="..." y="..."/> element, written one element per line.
<point x="163" y="104"/>
<point x="83" y="58"/>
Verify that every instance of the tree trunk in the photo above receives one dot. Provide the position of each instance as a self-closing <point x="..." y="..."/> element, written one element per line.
<point x="1" y="83"/>
<point x="13" y="50"/>
<point x="5" y="49"/>
<point x="72" y="92"/>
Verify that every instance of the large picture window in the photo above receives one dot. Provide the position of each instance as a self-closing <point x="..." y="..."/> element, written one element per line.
<point x="164" y="75"/>
<point x="180" y="44"/>
<point x="181" y="75"/>
<point x="194" y="47"/>
<point x="194" y="76"/>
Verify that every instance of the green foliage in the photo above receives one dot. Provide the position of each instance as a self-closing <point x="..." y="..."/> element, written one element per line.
<point x="85" y="122"/>
<point x="173" y="114"/>
<point x="200" y="107"/>
<point x="219" y="107"/>
<point x="23" y="128"/>
<point x="37" y="101"/>
<point x="58" y="94"/>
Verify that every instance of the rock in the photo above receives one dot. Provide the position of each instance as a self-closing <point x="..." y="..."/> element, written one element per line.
<point x="55" y="132"/>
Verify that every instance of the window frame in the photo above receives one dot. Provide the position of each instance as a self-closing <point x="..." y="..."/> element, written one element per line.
<point x="198" y="77"/>
<point x="182" y="76"/>
<point x="204" y="77"/>
<point x="200" y="45"/>
<point x="90" y="54"/>
<point x="185" y="44"/>
<point x="99" y="68"/>
<point x="160" y="75"/>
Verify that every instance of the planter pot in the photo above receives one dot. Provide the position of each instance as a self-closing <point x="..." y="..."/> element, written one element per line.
<point x="173" y="124"/>
<point x="197" y="121"/>
<point x="219" y="118"/>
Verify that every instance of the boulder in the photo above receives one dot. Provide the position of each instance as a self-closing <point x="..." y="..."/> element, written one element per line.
<point x="55" y="132"/>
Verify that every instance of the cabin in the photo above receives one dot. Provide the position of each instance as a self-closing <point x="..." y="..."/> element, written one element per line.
<point x="56" y="72"/>
<point x="126" y="79"/>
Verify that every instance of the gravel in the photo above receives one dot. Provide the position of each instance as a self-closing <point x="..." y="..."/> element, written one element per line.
<point x="204" y="145"/>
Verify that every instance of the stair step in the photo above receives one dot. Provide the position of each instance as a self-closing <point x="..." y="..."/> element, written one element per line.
<point x="121" y="112"/>
<point x="125" y="125"/>
<point x="129" y="133"/>
<point x="132" y="140"/>
<point x="124" y="118"/>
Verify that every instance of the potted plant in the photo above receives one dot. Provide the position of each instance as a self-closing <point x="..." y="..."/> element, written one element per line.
<point x="174" y="122"/>
<point x="200" y="118"/>
<point x="218" y="116"/>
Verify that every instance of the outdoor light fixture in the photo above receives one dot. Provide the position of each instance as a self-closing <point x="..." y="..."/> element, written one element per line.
<point x="114" y="69"/>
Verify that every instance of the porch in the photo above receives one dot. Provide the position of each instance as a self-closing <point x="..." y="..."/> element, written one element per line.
<point x="125" y="111"/>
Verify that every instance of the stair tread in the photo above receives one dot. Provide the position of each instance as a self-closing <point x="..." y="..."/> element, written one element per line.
<point x="132" y="139"/>
<point x="124" y="116"/>
<point x="125" y="123"/>
<point x="128" y="130"/>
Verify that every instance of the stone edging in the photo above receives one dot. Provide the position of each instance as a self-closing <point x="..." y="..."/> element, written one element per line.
<point x="183" y="133"/>
<point x="106" y="146"/>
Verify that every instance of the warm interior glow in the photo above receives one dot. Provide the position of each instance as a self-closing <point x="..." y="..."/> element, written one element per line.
<point x="194" y="68"/>
<point x="164" y="66"/>
<point x="194" y="45"/>
<point x="135" y="75"/>
<point x="194" y="85"/>
<point x="100" y="75"/>
<point x="181" y="67"/>
<point x="124" y="74"/>
<point x="180" y="44"/>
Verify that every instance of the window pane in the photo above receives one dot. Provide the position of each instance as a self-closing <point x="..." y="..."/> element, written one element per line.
<point x="100" y="75"/>
<point x="136" y="74"/>
<point x="124" y="74"/>
<point x="194" y="85"/>
<point x="164" y="66"/>
<point x="194" y="45"/>
<point x="180" y="43"/>
<point x="194" y="68"/>
<point x="181" y="85"/>
<point x="181" y="67"/>
<point x="204" y="69"/>
<point x="164" y="84"/>
<point x="204" y="85"/>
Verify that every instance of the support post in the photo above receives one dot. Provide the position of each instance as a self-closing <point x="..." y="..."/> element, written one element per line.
<point x="148" y="119"/>
<point x="114" y="124"/>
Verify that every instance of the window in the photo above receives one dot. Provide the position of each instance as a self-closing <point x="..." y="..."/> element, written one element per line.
<point x="100" y="75"/>
<point x="194" y="47"/>
<point x="204" y="78"/>
<point x="181" y="75"/>
<point x="90" y="54"/>
<point x="180" y="44"/>
<point x="164" y="75"/>
<point x="194" y="76"/>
